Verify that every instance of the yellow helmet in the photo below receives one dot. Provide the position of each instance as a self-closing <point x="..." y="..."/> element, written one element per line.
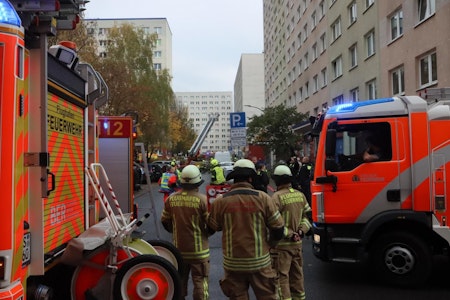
<point x="214" y="162"/>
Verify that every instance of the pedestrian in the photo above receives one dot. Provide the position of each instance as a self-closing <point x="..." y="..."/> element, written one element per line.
<point x="304" y="178"/>
<point x="287" y="256"/>
<point x="167" y="182"/>
<point x="247" y="217"/>
<point x="184" y="215"/>
<point x="261" y="180"/>
<point x="217" y="174"/>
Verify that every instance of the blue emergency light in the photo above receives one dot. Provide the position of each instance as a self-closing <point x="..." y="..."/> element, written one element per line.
<point x="8" y="14"/>
<point x="351" y="107"/>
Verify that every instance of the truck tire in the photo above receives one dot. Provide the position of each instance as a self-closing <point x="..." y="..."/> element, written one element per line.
<point x="401" y="258"/>
<point x="147" y="277"/>
<point x="169" y="252"/>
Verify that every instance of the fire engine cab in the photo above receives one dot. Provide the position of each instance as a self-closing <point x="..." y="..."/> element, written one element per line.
<point x="392" y="208"/>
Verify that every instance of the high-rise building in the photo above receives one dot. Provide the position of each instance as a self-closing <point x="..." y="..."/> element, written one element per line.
<point x="322" y="53"/>
<point x="202" y="105"/>
<point x="162" y="52"/>
<point x="249" y="85"/>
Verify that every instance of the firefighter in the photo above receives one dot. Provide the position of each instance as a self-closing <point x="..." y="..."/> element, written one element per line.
<point x="247" y="216"/>
<point x="287" y="257"/>
<point x="176" y="171"/>
<point x="167" y="182"/>
<point x="184" y="215"/>
<point x="217" y="174"/>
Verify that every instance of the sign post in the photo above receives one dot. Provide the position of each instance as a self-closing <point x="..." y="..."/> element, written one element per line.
<point x="238" y="131"/>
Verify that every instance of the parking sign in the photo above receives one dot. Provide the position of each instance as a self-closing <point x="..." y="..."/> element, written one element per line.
<point x="237" y="119"/>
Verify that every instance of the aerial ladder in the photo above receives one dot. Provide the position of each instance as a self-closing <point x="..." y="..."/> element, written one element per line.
<point x="202" y="136"/>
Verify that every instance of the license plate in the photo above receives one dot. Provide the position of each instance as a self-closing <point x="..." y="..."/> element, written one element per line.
<point x="26" y="255"/>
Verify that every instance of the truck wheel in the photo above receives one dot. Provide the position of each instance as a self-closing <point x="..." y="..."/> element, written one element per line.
<point x="147" y="277"/>
<point x="402" y="259"/>
<point x="169" y="252"/>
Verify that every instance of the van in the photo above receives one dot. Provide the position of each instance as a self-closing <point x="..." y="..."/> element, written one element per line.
<point x="223" y="156"/>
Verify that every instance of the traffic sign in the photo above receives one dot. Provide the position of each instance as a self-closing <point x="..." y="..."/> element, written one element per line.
<point x="237" y="120"/>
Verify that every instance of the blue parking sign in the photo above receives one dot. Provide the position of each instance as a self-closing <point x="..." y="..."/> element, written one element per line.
<point x="237" y="119"/>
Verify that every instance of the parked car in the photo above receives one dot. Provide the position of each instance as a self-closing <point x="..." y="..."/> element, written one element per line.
<point x="155" y="171"/>
<point x="138" y="176"/>
<point x="227" y="167"/>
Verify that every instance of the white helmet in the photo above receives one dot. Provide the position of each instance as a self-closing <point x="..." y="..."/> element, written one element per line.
<point x="282" y="170"/>
<point x="242" y="167"/>
<point x="191" y="176"/>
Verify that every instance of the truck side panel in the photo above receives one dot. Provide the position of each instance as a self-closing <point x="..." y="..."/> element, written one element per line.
<point x="64" y="207"/>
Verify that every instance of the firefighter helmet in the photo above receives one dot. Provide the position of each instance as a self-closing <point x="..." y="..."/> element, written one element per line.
<point x="191" y="176"/>
<point x="282" y="175"/>
<point x="214" y="162"/>
<point x="242" y="168"/>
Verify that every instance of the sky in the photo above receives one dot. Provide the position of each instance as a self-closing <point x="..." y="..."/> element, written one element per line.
<point x="208" y="36"/>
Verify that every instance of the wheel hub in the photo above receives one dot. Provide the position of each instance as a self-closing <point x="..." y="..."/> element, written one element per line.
<point x="399" y="260"/>
<point x="147" y="289"/>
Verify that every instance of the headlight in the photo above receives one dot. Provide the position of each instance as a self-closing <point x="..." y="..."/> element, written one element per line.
<point x="316" y="238"/>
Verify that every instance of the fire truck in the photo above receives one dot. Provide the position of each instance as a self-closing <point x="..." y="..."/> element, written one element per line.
<point x="392" y="211"/>
<point x="53" y="243"/>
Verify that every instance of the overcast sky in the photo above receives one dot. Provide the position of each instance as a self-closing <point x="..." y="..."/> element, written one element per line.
<point x="208" y="36"/>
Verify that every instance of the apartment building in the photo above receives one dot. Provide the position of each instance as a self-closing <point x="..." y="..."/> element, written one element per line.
<point x="249" y="85"/>
<point x="162" y="53"/>
<point x="201" y="105"/>
<point x="323" y="53"/>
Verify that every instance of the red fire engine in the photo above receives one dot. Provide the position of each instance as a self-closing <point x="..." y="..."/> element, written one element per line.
<point x="391" y="208"/>
<point x="52" y="240"/>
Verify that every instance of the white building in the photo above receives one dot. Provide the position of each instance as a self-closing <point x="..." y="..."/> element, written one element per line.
<point x="201" y="105"/>
<point x="249" y="85"/>
<point x="162" y="52"/>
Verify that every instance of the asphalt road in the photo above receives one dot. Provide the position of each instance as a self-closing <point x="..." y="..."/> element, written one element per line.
<point x="323" y="281"/>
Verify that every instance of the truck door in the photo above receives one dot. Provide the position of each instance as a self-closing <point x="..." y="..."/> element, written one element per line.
<point x="364" y="187"/>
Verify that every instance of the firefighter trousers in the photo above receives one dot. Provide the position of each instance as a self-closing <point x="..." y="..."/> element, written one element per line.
<point x="235" y="285"/>
<point x="288" y="262"/>
<point x="200" y="279"/>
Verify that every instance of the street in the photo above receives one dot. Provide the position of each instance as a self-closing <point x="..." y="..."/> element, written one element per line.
<point x="323" y="280"/>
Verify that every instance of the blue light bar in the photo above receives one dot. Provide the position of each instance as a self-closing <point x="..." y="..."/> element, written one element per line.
<point x="8" y="14"/>
<point x="351" y="107"/>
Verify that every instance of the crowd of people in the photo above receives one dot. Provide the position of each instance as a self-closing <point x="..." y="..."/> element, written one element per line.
<point x="262" y="233"/>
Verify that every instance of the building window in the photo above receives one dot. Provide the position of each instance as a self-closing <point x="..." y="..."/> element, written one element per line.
<point x="371" y="89"/>
<point x="314" y="52"/>
<point x="396" y="25"/>
<point x="314" y="20"/>
<point x="428" y="69"/>
<point x="306" y="60"/>
<point x="306" y="89"/>
<point x="305" y="30"/>
<point x="336" y="29"/>
<point x="337" y="67"/>
<point x="398" y="81"/>
<point x="425" y="9"/>
<point x="158" y="42"/>
<point x="370" y="43"/>
<point x="354" y="95"/>
<point x="321" y="9"/>
<point x="369" y="3"/>
<point x="352" y="13"/>
<point x="353" y="56"/>
<point x="338" y="100"/>
<point x="157" y="67"/>
<point x="90" y="31"/>
<point x="157" y="54"/>
<point x="323" y="43"/>
<point x="315" y="84"/>
<point x="324" y="77"/>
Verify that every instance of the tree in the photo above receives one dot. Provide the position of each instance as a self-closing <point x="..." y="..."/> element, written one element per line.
<point x="273" y="130"/>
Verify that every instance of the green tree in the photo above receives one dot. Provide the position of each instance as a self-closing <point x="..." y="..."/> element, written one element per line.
<point x="273" y="130"/>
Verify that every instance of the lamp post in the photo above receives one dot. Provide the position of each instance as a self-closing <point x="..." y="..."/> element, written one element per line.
<point x="252" y="106"/>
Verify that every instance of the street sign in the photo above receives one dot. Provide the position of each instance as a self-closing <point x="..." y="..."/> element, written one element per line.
<point x="239" y="142"/>
<point x="237" y="120"/>
<point x="238" y="132"/>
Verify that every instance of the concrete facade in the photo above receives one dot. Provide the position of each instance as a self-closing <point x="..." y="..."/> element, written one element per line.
<point x="200" y="106"/>
<point x="162" y="52"/>
<point x="323" y="53"/>
<point x="249" y="85"/>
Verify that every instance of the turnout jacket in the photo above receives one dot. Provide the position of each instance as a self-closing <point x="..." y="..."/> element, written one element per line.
<point x="247" y="217"/>
<point x="293" y="207"/>
<point x="184" y="214"/>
